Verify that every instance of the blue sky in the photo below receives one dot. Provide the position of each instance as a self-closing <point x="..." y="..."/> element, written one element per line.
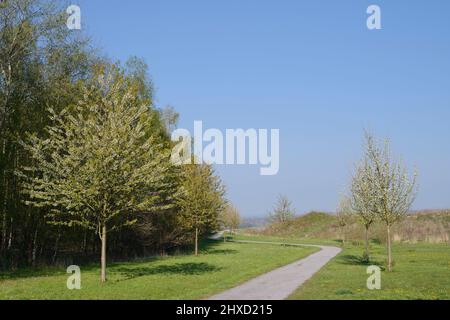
<point x="309" y="68"/>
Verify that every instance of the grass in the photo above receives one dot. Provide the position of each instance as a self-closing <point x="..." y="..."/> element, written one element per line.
<point x="284" y="239"/>
<point x="219" y="267"/>
<point x="421" y="272"/>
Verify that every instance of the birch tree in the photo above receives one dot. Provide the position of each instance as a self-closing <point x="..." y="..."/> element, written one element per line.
<point x="97" y="164"/>
<point x="394" y="188"/>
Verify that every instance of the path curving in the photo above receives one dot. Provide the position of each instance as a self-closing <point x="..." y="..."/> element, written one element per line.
<point x="278" y="284"/>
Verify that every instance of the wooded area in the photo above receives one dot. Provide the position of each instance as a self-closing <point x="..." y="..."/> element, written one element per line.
<point x="85" y="151"/>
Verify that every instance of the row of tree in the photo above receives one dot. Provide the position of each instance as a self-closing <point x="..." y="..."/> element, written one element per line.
<point x="85" y="152"/>
<point x="381" y="190"/>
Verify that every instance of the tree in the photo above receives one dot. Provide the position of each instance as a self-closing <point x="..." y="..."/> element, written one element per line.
<point x="394" y="190"/>
<point x="362" y="199"/>
<point x="169" y="117"/>
<point x="42" y="64"/>
<point x="282" y="211"/>
<point x="231" y="219"/>
<point x="98" y="165"/>
<point x="201" y="200"/>
<point x="343" y="216"/>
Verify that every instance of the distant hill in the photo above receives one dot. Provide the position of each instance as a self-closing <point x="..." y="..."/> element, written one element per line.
<point x="311" y="225"/>
<point x="427" y="225"/>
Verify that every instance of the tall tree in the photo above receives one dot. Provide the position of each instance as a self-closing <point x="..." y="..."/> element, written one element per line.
<point x="394" y="189"/>
<point x="41" y="65"/>
<point x="98" y="164"/>
<point x="283" y="211"/>
<point x="201" y="201"/>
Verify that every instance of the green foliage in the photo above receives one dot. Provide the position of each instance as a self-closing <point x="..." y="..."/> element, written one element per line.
<point x="230" y="218"/>
<point x="41" y="65"/>
<point x="201" y="199"/>
<point x="97" y="164"/>
<point x="82" y="144"/>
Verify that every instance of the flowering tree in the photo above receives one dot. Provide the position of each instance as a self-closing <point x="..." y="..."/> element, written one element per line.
<point x="394" y="190"/>
<point x="98" y="164"/>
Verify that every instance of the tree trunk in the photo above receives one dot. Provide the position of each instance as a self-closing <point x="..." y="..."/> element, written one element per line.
<point x="366" y="252"/>
<point x="4" y="210"/>
<point x="55" y="252"/>
<point x="389" y="248"/>
<point x="84" y="248"/>
<point x="343" y="236"/>
<point x="196" y="241"/>
<point x="103" y="258"/>
<point x="33" y="252"/>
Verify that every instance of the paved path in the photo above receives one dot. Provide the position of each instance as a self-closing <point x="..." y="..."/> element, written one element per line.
<point x="278" y="284"/>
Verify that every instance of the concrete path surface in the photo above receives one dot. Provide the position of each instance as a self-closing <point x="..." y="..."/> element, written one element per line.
<point x="278" y="284"/>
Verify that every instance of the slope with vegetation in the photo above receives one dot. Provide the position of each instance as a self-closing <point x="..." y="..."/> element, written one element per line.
<point x="429" y="226"/>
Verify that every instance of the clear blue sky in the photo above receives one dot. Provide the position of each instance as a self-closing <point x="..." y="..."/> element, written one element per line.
<point x="310" y="68"/>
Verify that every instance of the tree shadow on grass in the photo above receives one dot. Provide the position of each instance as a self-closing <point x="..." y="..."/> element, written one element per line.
<point x="221" y="251"/>
<point x="351" y="259"/>
<point x="44" y="271"/>
<point x="178" y="268"/>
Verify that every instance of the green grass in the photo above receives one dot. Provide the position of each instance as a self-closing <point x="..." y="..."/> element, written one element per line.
<point x="284" y="239"/>
<point x="421" y="271"/>
<point x="219" y="267"/>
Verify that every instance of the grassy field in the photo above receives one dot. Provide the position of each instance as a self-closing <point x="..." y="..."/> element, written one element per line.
<point x="421" y="271"/>
<point x="219" y="267"/>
